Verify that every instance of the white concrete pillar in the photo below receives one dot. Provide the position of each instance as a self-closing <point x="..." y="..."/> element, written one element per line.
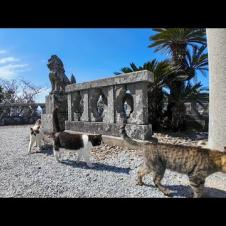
<point x="216" y="44"/>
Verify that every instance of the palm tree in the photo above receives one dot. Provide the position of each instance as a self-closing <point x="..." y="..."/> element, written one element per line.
<point x="177" y="42"/>
<point x="196" y="60"/>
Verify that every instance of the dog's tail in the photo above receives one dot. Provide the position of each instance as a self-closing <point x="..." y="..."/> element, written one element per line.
<point x="56" y="127"/>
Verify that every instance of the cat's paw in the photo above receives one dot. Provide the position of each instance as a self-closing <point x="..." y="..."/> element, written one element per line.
<point x="167" y="193"/>
<point x="140" y="183"/>
<point x="57" y="159"/>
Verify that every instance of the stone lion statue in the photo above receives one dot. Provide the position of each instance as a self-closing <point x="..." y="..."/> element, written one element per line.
<point x="57" y="75"/>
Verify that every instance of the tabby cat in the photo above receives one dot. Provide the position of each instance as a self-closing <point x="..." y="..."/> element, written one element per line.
<point x="197" y="162"/>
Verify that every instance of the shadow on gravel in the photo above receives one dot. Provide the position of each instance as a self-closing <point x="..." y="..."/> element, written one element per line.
<point x="176" y="190"/>
<point x="47" y="149"/>
<point x="97" y="166"/>
<point x="186" y="191"/>
<point x="215" y="193"/>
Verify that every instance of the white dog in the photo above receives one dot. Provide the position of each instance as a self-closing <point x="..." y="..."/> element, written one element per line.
<point x="36" y="136"/>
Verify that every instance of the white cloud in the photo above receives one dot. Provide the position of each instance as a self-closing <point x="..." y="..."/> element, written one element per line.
<point x="10" y="71"/>
<point x="2" y="51"/>
<point x="40" y="98"/>
<point x="10" y="66"/>
<point x="8" y="60"/>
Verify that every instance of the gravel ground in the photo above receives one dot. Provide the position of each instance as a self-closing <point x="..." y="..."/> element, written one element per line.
<point x="39" y="175"/>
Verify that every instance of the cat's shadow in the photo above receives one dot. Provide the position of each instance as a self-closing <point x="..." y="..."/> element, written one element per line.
<point x="96" y="166"/>
<point x="48" y="150"/>
<point x="186" y="191"/>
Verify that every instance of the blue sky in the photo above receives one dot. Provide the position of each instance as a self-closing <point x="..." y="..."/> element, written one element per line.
<point x="87" y="53"/>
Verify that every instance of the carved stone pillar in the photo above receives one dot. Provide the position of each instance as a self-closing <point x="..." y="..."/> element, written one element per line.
<point x="140" y="97"/>
<point x="85" y="105"/>
<point x="70" y="106"/>
<point x="109" y="111"/>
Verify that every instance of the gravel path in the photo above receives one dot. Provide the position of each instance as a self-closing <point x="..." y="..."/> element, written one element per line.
<point x="39" y="175"/>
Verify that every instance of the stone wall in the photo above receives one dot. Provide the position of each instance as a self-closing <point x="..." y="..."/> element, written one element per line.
<point x="100" y="106"/>
<point x="20" y="113"/>
<point x="197" y="113"/>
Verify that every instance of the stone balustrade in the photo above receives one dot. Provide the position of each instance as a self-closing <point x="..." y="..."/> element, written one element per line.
<point x="100" y="106"/>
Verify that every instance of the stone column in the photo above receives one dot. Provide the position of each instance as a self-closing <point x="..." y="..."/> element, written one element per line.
<point x="140" y="98"/>
<point x="85" y="100"/>
<point x="216" y="43"/>
<point x="119" y="92"/>
<point x="109" y="114"/>
<point x="70" y="113"/>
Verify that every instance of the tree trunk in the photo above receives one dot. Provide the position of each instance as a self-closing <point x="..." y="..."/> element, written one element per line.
<point x="216" y="43"/>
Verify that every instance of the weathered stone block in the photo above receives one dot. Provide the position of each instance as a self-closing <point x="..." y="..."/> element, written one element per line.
<point x="47" y="123"/>
<point x="134" y="77"/>
<point x="59" y="99"/>
<point x="140" y="132"/>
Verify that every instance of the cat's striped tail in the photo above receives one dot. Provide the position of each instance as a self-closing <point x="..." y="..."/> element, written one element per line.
<point x="131" y="141"/>
<point x="127" y="138"/>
